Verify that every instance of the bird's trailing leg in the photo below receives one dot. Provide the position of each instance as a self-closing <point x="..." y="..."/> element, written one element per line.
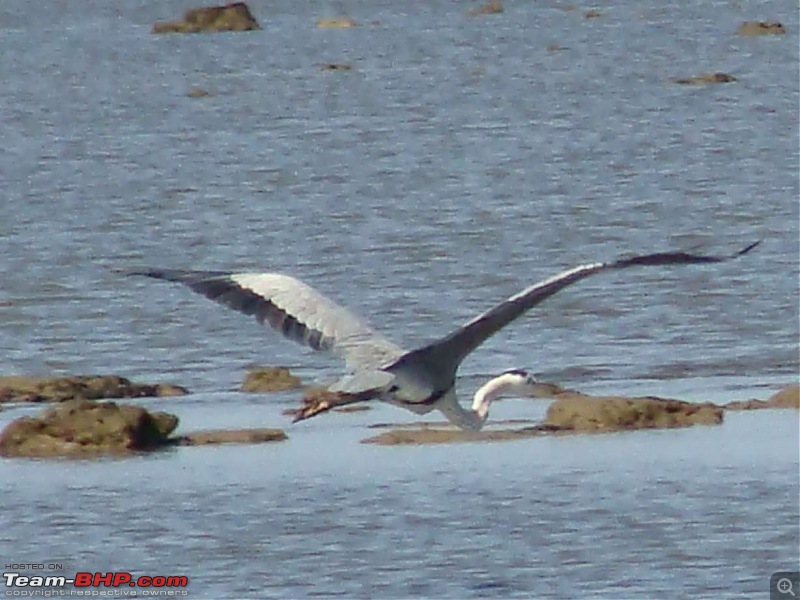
<point x="320" y="401"/>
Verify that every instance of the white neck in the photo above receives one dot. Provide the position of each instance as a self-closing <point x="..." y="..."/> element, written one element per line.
<point x="507" y="384"/>
<point x="504" y="385"/>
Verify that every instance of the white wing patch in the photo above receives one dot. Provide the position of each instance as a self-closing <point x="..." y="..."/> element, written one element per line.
<point x="327" y="322"/>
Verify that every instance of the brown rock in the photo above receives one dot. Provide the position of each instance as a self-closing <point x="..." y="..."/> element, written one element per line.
<point x="788" y="397"/>
<point x="83" y="387"/>
<point x="85" y="428"/>
<point x="338" y="23"/>
<point x="405" y="437"/>
<point x="230" y="17"/>
<point x="705" y="78"/>
<point x="197" y="92"/>
<point x="750" y="28"/>
<point x="592" y="14"/>
<point x="270" y="379"/>
<point x="335" y="67"/>
<point x="232" y="436"/>
<point x="490" y="8"/>
<point x="577" y="412"/>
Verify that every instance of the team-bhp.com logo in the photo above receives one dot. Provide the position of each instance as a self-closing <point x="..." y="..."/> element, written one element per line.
<point x="90" y="584"/>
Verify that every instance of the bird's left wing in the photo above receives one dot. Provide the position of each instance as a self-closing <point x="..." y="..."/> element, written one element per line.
<point x="294" y="309"/>
<point x="452" y="349"/>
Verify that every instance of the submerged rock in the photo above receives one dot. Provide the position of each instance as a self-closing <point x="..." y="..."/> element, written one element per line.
<point x="577" y="412"/>
<point x="750" y="28"/>
<point x="231" y="436"/>
<point x="270" y="379"/>
<point x="426" y="435"/>
<point x="705" y="78"/>
<point x="86" y="428"/>
<point x="335" y="67"/>
<point x="82" y="387"/>
<point x="230" y="17"/>
<point x="788" y="397"/>
<point x="336" y="23"/>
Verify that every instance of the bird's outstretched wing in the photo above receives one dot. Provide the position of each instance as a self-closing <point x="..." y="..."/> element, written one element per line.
<point x="293" y="308"/>
<point x="449" y="351"/>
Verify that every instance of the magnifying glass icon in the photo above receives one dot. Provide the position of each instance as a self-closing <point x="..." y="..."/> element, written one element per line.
<point x="785" y="587"/>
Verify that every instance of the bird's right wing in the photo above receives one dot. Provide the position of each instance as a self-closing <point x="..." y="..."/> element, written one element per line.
<point x="297" y="311"/>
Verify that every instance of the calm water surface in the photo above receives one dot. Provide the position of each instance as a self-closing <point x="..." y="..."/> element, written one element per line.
<point x="458" y="161"/>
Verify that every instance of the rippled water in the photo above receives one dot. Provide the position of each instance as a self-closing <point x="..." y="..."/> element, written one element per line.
<point x="458" y="161"/>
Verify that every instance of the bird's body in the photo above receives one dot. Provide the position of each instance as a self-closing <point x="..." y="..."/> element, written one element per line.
<point x="419" y="380"/>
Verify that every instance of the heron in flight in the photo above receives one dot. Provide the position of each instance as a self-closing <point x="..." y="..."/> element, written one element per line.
<point x="419" y="380"/>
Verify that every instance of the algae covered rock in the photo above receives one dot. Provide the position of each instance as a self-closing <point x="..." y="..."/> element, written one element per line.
<point x="705" y="79"/>
<point x="270" y="379"/>
<point x="232" y="436"/>
<point x="86" y="428"/>
<point x="752" y="28"/>
<point x="493" y="7"/>
<point x="230" y="17"/>
<point x="788" y="397"/>
<point x="578" y="412"/>
<point x="82" y="387"/>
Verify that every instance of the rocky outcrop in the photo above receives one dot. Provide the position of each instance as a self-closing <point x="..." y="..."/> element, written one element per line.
<point x="571" y="413"/>
<point x="270" y="379"/>
<point x="85" y="428"/>
<point x="580" y="413"/>
<point x="788" y="397"/>
<point x="704" y="79"/>
<point x="83" y="387"/>
<point x="231" y="436"/>
<point x="231" y="17"/>
<point x="751" y="28"/>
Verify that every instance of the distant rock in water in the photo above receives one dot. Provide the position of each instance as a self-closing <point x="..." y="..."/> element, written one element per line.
<point x="270" y="379"/>
<point x="84" y="428"/>
<point x="230" y="17"/>
<point x="578" y="412"/>
<point x="82" y="387"/>
<point x="197" y="92"/>
<point x="493" y="7"/>
<point x="788" y="397"/>
<point x="335" y="67"/>
<point x="705" y="78"/>
<point x="336" y="23"/>
<point x="750" y="28"/>
<point x="231" y="436"/>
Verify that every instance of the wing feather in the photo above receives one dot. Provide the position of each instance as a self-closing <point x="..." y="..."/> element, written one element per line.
<point x="291" y="307"/>
<point x="448" y="352"/>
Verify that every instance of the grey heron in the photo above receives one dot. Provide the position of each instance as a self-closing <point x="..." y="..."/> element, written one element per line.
<point x="420" y="380"/>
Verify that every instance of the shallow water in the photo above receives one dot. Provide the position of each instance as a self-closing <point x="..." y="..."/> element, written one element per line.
<point x="458" y="161"/>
